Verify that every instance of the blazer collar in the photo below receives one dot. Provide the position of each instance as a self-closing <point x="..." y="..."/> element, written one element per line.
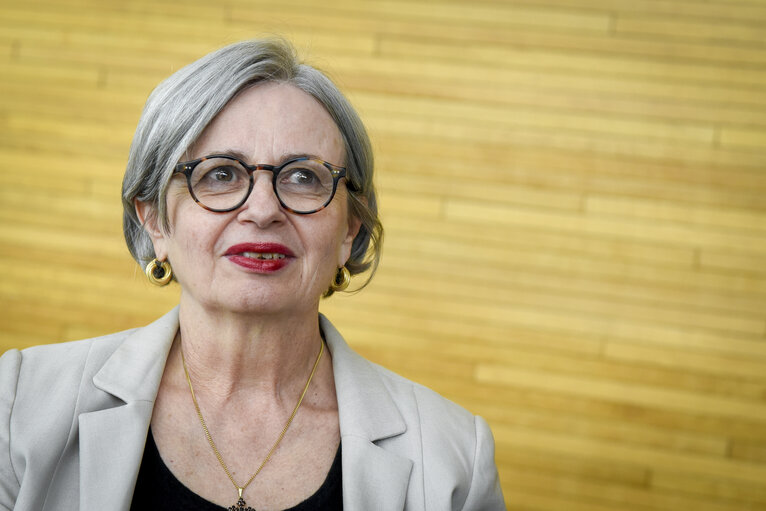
<point x="112" y="438"/>
<point x="134" y="370"/>
<point x="373" y="477"/>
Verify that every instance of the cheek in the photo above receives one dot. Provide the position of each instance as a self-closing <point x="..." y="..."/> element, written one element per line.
<point x="324" y="236"/>
<point x="190" y="243"/>
<point x="193" y="236"/>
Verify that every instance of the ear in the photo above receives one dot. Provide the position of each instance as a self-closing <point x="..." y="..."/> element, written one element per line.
<point x="147" y="215"/>
<point x="354" y="224"/>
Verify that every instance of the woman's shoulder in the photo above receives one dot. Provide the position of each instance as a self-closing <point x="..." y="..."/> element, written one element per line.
<point x="414" y="400"/>
<point x="71" y="348"/>
<point x="58" y="363"/>
<point x="61" y="367"/>
<point x="45" y="381"/>
<point x="431" y="406"/>
<point x="40" y="388"/>
<point x="452" y="449"/>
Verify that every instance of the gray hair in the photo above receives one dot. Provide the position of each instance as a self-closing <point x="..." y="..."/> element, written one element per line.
<point x="182" y="106"/>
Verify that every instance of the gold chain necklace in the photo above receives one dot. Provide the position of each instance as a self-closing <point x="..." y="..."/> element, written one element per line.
<point x="241" y="505"/>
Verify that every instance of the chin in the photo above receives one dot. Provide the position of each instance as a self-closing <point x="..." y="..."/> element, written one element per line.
<point x="266" y="301"/>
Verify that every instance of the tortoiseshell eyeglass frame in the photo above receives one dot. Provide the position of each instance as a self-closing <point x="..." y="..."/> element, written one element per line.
<point x="187" y="167"/>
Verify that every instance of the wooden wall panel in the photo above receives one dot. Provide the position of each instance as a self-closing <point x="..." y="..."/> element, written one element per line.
<point x="574" y="196"/>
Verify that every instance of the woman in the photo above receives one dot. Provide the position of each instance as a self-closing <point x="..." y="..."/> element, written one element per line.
<point x="250" y="183"/>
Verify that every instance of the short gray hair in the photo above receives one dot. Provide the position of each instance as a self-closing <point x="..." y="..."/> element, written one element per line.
<point x="182" y="106"/>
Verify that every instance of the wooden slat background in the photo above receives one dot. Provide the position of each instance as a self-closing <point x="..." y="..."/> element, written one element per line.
<point x="574" y="194"/>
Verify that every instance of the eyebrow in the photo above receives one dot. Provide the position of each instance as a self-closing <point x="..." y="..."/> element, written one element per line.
<point x="283" y="158"/>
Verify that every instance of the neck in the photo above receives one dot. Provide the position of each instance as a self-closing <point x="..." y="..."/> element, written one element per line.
<point x="231" y="353"/>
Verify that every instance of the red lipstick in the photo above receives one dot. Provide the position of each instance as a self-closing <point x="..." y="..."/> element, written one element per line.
<point x="260" y="257"/>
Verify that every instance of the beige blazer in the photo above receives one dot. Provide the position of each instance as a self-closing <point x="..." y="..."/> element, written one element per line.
<point x="74" y="419"/>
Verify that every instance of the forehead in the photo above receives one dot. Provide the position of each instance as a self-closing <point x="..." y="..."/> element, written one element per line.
<point x="268" y="121"/>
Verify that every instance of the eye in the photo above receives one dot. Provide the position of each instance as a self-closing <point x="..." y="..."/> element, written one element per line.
<point x="305" y="185"/>
<point x="222" y="174"/>
<point x="218" y="177"/>
<point x="300" y="176"/>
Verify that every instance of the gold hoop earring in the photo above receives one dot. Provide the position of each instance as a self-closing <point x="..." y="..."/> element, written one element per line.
<point x="158" y="272"/>
<point x="342" y="279"/>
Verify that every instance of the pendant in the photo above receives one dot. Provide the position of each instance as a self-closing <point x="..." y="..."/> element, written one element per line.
<point x="241" y="505"/>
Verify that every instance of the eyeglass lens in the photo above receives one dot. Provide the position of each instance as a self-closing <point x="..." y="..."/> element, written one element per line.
<point x="221" y="183"/>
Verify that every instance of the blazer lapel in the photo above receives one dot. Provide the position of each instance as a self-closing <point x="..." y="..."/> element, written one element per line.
<point x="373" y="477"/>
<point x="111" y="447"/>
<point x="112" y="438"/>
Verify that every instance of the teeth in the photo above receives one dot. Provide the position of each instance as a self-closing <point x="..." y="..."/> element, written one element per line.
<point x="261" y="255"/>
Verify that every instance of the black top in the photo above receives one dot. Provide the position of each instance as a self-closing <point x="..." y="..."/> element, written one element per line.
<point x="158" y="488"/>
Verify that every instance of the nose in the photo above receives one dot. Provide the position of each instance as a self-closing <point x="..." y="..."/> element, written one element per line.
<point x="262" y="206"/>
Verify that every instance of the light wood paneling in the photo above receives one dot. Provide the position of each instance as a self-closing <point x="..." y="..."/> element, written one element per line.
<point x="574" y="196"/>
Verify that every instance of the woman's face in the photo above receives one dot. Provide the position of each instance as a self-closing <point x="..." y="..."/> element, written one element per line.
<point x="226" y="261"/>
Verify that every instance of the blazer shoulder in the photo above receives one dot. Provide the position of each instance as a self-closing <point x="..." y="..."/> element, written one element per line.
<point x="48" y="379"/>
<point x="39" y="391"/>
<point x="58" y="366"/>
<point x="430" y="404"/>
<point x="456" y="447"/>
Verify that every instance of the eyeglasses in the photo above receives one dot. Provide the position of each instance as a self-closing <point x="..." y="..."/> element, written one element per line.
<point x="223" y="183"/>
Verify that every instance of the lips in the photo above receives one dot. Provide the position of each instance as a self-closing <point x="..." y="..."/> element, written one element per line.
<point x="260" y="257"/>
